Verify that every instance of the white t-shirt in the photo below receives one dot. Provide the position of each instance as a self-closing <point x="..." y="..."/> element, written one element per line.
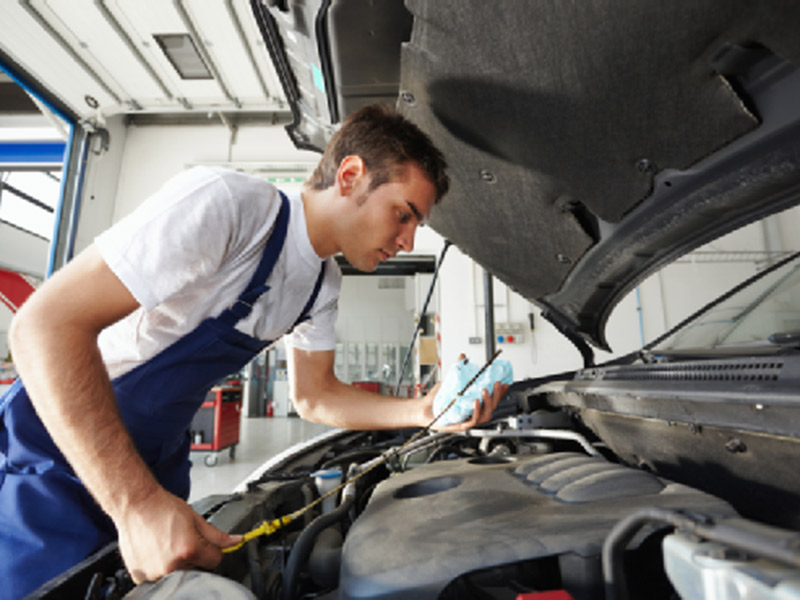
<point x="189" y="250"/>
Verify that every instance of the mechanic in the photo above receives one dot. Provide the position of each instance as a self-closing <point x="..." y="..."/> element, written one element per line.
<point x="118" y="348"/>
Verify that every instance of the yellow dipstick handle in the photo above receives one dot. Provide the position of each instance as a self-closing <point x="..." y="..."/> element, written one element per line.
<point x="266" y="528"/>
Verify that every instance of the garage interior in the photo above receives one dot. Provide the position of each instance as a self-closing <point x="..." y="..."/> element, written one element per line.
<point x="103" y="85"/>
<point x="102" y="101"/>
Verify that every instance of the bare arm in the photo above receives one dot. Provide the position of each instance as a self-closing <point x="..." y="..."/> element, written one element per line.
<point x="319" y="396"/>
<point x="54" y="340"/>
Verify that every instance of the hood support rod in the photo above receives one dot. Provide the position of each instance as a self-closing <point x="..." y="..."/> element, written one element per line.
<point x="488" y="312"/>
<point x="577" y="341"/>
<point x="403" y="368"/>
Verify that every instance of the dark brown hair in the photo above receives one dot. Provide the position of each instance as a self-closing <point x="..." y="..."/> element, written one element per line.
<point x="386" y="141"/>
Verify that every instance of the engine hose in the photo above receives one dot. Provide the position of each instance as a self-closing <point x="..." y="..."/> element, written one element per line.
<point x="305" y="544"/>
<point x="256" y="572"/>
<point x="326" y="558"/>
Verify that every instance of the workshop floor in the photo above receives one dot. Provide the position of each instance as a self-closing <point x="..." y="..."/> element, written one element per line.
<point x="259" y="440"/>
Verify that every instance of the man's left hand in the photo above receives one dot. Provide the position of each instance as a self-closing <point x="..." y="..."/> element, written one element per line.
<point x="481" y="412"/>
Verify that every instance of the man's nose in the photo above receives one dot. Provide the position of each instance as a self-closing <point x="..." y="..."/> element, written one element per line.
<point x="405" y="241"/>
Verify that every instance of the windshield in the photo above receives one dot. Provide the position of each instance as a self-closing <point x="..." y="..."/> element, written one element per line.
<point x="764" y="313"/>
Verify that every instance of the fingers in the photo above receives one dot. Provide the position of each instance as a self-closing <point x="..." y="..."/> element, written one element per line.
<point x="206" y="550"/>
<point x="482" y="411"/>
<point x="216" y="540"/>
<point x="215" y="536"/>
<point x="490" y="402"/>
<point x="137" y="576"/>
<point x="167" y="537"/>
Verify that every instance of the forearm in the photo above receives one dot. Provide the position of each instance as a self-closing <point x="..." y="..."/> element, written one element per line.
<point x="54" y="341"/>
<point x="319" y="396"/>
<point x="69" y="387"/>
<point x="346" y="406"/>
<point x="158" y="532"/>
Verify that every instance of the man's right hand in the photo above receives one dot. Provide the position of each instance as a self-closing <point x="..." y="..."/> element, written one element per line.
<point x="164" y="534"/>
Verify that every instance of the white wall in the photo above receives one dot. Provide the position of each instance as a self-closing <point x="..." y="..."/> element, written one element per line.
<point x="370" y="314"/>
<point x="142" y="158"/>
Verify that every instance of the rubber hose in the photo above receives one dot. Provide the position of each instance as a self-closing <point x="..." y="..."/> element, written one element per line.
<point x="305" y="544"/>
<point x="326" y="558"/>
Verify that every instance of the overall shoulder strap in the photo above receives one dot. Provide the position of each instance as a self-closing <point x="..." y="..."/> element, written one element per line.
<point x="317" y="286"/>
<point x="257" y="286"/>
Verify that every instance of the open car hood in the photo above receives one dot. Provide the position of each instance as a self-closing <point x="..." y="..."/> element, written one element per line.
<point x="588" y="145"/>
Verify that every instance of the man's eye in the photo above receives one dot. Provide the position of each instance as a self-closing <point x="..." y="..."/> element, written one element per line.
<point x="405" y="217"/>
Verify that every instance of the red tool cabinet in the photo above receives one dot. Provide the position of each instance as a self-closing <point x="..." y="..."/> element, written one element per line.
<point x="216" y="425"/>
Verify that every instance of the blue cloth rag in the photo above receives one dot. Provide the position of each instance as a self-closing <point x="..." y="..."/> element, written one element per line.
<point x="457" y="377"/>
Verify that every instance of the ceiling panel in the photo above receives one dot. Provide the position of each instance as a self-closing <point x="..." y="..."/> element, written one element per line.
<point x="104" y="52"/>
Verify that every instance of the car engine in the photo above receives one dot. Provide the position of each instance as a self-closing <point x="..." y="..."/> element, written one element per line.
<point x="531" y="504"/>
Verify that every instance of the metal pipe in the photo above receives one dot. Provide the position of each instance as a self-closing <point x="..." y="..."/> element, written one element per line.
<point x="488" y="295"/>
<point x="120" y="31"/>
<point x="547" y="434"/>
<point x="37" y="16"/>
<point x="77" y="194"/>
<point x="447" y="244"/>
<point x="187" y="20"/>
<point x="237" y="23"/>
<point x="69" y="201"/>
<point x="59" y="210"/>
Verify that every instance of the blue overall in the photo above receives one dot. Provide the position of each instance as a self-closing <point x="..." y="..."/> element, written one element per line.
<point x="48" y="520"/>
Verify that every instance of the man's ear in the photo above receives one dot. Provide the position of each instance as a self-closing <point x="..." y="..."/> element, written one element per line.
<point x="351" y="170"/>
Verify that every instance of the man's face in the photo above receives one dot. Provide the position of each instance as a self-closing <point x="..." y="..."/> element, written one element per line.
<point x="387" y="217"/>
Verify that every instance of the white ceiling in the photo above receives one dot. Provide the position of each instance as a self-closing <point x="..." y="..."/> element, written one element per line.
<point x="100" y="57"/>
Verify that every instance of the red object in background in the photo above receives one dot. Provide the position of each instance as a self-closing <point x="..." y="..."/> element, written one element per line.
<point x="554" y="595"/>
<point x="217" y="422"/>
<point x="370" y="386"/>
<point x="14" y="289"/>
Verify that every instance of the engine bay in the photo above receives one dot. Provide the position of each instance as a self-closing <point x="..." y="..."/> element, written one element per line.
<point x="529" y="505"/>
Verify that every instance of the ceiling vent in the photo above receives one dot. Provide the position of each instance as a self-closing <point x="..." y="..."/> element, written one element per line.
<point x="182" y="53"/>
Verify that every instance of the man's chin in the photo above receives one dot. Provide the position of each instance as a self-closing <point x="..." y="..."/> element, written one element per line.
<point x="365" y="266"/>
<point x="369" y="268"/>
<point x="364" y="262"/>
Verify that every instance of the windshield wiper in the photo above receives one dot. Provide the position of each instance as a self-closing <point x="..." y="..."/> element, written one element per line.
<point x="787" y="339"/>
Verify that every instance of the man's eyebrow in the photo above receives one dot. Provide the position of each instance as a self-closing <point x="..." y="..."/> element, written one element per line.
<point x="417" y="214"/>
